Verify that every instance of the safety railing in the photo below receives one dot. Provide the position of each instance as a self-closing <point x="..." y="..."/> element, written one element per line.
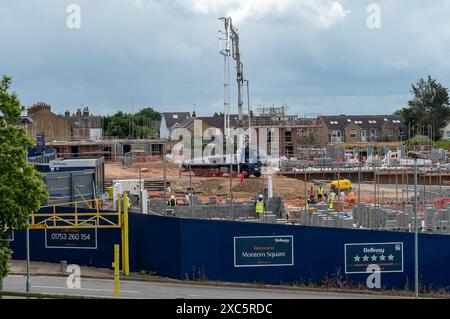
<point x="59" y="218"/>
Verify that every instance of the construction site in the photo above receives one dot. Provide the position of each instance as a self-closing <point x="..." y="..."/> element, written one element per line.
<point x="335" y="171"/>
<point x="217" y="196"/>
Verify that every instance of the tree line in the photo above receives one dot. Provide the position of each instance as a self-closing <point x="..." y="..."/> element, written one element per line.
<point x="428" y="111"/>
<point x="135" y="126"/>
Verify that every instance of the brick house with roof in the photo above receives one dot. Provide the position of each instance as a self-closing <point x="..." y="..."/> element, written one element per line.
<point x="357" y="130"/>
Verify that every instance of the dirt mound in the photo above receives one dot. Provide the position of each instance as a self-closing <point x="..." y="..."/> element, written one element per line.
<point x="287" y="187"/>
<point x="250" y="185"/>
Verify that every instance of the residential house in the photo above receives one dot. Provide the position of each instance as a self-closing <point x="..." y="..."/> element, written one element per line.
<point x="359" y="130"/>
<point x="85" y="126"/>
<point x="170" y="121"/>
<point x="56" y="127"/>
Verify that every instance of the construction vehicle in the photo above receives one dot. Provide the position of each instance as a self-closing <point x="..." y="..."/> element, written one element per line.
<point x="217" y="166"/>
<point x="343" y="185"/>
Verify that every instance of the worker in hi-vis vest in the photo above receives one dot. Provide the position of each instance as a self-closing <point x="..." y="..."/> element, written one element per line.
<point x="330" y="200"/>
<point x="310" y="201"/>
<point x="259" y="206"/>
<point x="351" y="197"/>
<point x="319" y="193"/>
<point x="172" y="201"/>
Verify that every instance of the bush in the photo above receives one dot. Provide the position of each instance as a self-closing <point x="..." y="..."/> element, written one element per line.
<point x="445" y="144"/>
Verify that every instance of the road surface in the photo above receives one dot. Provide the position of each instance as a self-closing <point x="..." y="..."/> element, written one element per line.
<point x="152" y="290"/>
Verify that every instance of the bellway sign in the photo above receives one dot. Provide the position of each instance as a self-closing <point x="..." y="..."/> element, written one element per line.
<point x="254" y="251"/>
<point x="388" y="256"/>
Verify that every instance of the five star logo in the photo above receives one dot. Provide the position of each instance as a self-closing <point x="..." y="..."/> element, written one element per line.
<point x="382" y="258"/>
<point x="357" y="258"/>
<point x="390" y="257"/>
<point x="374" y="258"/>
<point x="366" y="258"/>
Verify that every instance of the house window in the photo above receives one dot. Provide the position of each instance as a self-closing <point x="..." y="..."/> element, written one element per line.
<point x="390" y="132"/>
<point x="363" y="136"/>
<point x="353" y="133"/>
<point x="374" y="134"/>
<point x="336" y="136"/>
<point x="287" y="137"/>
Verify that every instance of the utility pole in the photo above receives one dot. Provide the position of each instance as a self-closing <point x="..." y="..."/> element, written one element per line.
<point x="416" y="227"/>
<point x="141" y="206"/>
<point x="231" y="187"/>
<point x="359" y="184"/>
<point x="191" y="200"/>
<point x="416" y="235"/>
<point x="164" y="177"/>
<point x="28" y="284"/>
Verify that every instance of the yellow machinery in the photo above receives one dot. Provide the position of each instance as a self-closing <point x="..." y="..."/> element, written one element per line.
<point x="343" y="185"/>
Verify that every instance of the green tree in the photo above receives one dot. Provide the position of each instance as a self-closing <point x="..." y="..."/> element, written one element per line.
<point x="123" y="125"/>
<point x="428" y="110"/>
<point x="118" y="125"/>
<point x="445" y="144"/>
<point x="149" y="113"/>
<point x="22" y="189"/>
<point x="418" y="141"/>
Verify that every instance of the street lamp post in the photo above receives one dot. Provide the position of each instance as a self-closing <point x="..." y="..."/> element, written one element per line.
<point x="164" y="178"/>
<point x="416" y="156"/>
<point x="28" y="284"/>
<point x="416" y="235"/>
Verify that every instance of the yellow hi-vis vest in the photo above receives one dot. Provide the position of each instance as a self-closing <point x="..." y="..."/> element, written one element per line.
<point x="320" y="190"/>
<point x="330" y="203"/>
<point x="259" y="207"/>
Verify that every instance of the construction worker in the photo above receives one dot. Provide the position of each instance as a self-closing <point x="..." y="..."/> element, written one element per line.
<point x="259" y="206"/>
<point x="331" y="199"/>
<point x="312" y="191"/>
<point x="351" y="197"/>
<point x="319" y="193"/>
<point x="172" y="201"/>
<point x="310" y="201"/>
<point x="129" y="203"/>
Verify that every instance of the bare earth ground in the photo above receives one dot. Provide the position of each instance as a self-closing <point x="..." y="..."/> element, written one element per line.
<point x="292" y="190"/>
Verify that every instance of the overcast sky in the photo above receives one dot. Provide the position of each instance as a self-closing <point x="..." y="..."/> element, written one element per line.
<point x="315" y="55"/>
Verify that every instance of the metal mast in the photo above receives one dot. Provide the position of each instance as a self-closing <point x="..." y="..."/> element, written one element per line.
<point x="225" y="50"/>
<point x="231" y="37"/>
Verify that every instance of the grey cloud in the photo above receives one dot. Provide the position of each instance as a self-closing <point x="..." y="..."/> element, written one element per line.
<point x="164" y="53"/>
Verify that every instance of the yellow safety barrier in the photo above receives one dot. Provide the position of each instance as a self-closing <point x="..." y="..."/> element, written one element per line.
<point x="116" y="267"/>
<point x="58" y="219"/>
<point x="125" y="244"/>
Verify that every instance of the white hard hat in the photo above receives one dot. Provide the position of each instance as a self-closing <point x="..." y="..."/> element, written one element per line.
<point x="171" y="196"/>
<point x="260" y="196"/>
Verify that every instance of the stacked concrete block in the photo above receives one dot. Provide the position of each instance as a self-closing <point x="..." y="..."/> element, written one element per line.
<point x="409" y="213"/>
<point x="356" y="212"/>
<point x="334" y="219"/>
<point x="315" y="220"/>
<point x="429" y="218"/>
<point x="347" y="223"/>
<point x="391" y="224"/>
<point x="268" y="218"/>
<point x="382" y="217"/>
<point x="371" y="219"/>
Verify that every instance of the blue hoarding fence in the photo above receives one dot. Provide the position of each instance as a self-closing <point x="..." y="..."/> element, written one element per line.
<point x="233" y="251"/>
